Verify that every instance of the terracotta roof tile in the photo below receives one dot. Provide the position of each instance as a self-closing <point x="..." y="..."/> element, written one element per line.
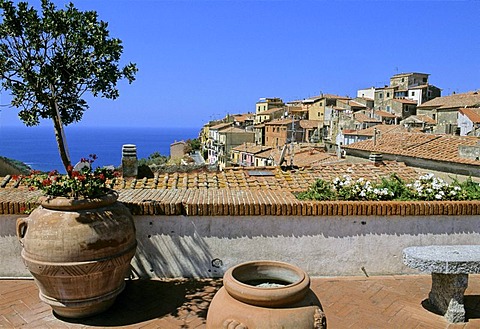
<point x="472" y="113"/>
<point x="364" y="118"/>
<point x="470" y="99"/>
<point x="419" y="145"/>
<point x="281" y="122"/>
<point x="309" y="124"/>
<point x="385" y="114"/>
<point x="271" y="111"/>
<point x="382" y="128"/>
<point x="239" y="178"/>
<point x="221" y="126"/>
<point x="405" y="101"/>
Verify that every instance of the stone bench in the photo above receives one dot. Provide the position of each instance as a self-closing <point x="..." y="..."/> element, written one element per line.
<point x="449" y="266"/>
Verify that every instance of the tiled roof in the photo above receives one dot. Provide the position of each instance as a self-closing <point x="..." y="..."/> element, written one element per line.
<point x="233" y="130"/>
<point x="364" y="118"/>
<point x="470" y="99"/>
<point x="243" y="117"/>
<point x="240" y="178"/>
<point x="251" y="148"/>
<point x="309" y="124"/>
<point x="280" y="122"/>
<point x="385" y="114"/>
<point x="421" y="118"/>
<point x="313" y="158"/>
<point x="407" y="74"/>
<point x="472" y="113"/>
<point x="351" y="103"/>
<point x="419" y="145"/>
<point x="379" y="128"/>
<point x="330" y="96"/>
<point x="271" y="111"/>
<point x="419" y="87"/>
<point x="405" y="101"/>
<point x="221" y="126"/>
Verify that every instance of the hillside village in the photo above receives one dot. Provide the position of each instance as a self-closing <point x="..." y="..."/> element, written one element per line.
<point x="408" y="121"/>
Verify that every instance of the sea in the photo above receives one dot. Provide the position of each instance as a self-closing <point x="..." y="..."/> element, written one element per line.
<point x="37" y="147"/>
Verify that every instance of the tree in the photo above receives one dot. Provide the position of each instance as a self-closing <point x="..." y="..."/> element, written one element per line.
<point x="50" y="61"/>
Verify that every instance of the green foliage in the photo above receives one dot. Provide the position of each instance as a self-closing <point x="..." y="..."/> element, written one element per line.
<point x="471" y="189"/>
<point x="86" y="183"/>
<point x="194" y="144"/>
<point x="54" y="58"/>
<point x="50" y="60"/>
<point x="426" y="188"/>
<point x="153" y="159"/>
<point x="320" y="190"/>
<point x="397" y="186"/>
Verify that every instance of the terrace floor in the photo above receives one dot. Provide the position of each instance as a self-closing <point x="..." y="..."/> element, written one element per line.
<point x="348" y="302"/>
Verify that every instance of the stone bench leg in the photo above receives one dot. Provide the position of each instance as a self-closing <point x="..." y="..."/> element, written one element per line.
<point x="447" y="295"/>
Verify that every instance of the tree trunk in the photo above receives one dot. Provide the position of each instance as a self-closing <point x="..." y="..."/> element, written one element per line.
<point x="60" y="137"/>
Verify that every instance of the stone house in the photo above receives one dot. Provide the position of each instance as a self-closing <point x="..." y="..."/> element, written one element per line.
<point x="420" y="122"/>
<point x="310" y="130"/>
<point x="269" y="115"/>
<point x="245" y="155"/>
<point x="280" y="132"/>
<point x="177" y="150"/>
<point x="213" y="143"/>
<point x="444" y="110"/>
<point x="412" y="87"/>
<point x="229" y="138"/>
<point x="265" y="104"/>
<point x="316" y="105"/>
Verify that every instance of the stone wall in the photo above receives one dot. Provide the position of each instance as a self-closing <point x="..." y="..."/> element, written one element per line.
<point x="203" y="232"/>
<point x="323" y="245"/>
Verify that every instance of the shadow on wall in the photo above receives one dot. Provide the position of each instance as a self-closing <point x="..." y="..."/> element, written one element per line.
<point x="206" y="246"/>
<point x="173" y="249"/>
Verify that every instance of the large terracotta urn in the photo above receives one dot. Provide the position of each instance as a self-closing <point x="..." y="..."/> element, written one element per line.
<point x="263" y="295"/>
<point x="78" y="251"/>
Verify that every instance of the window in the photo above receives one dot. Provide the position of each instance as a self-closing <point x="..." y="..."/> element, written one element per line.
<point x="380" y="95"/>
<point x="388" y="95"/>
<point x="413" y="93"/>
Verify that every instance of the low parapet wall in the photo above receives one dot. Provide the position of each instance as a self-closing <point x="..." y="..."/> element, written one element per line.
<point x="205" y="246"/>
<point x="201" y="233"/>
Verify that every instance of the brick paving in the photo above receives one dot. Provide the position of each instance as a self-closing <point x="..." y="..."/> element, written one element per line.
<point x="349" y="302"/>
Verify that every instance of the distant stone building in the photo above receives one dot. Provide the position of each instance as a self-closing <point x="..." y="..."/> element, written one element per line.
<point x="177" y="150"/>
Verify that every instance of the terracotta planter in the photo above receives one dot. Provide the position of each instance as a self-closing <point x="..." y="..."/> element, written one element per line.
<point x="265" y="294"/>
<point x="78" y="252"/>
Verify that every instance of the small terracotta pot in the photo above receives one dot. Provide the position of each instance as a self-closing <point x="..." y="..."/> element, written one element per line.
<point x="78" y="252"/>
<point x="265" y="294"/>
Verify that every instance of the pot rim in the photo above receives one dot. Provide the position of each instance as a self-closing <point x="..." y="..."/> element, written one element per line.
<point x="266" y="296"/>
<point x="66" y="203"/>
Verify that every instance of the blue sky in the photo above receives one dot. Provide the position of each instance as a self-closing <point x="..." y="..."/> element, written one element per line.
<point x="199" y="60"/>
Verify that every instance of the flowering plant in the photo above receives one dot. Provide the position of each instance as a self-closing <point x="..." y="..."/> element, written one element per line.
<point x="428" y="187"/>
<point x="84" y="182"/>
<point x="360" y="189"/>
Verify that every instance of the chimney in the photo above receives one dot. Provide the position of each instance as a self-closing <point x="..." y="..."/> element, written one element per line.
<point x="129" y="160"/>
<point x="376" y="158"/>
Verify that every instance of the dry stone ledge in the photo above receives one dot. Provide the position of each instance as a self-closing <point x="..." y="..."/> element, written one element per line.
<point x="449" y="266"/>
